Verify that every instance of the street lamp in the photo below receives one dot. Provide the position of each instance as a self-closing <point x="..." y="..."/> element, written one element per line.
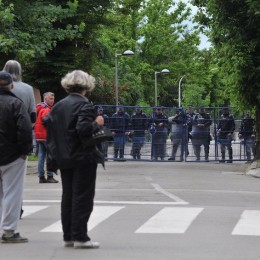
<point x="179" y="93"/>
<point x="125" y="53"/>
<point x="162" y="72"/>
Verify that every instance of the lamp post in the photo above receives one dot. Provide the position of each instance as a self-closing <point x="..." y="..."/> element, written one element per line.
<point x="162" y="72"/>
<point x="179" y="92"/>
<point x="125" y="53"/>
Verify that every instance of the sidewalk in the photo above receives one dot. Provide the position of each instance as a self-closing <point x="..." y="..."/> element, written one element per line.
<point x="32" y="167"/>
<point x="252" y="169"/>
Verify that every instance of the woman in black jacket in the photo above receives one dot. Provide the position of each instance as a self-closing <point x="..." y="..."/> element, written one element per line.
<point x="70" y="123"/>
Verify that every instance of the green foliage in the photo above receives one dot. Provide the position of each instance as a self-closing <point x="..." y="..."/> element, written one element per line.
<point x="235" y="33"/>
<point x="57" y="36"/>
<point x="32" y="28"/>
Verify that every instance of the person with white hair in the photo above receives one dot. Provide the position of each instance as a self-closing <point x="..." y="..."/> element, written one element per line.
<point x="71" y="122"/>
<point x="22" y="90"/>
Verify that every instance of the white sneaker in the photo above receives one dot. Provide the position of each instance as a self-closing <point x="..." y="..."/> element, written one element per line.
<point x="88" y="244"/>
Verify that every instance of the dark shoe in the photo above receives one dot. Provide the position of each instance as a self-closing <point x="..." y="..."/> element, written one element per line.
<point x="42" y="179"/>
<point x="229" y="161"/>
<point x="15" y="238"/>
<point x="51" y="180"/>
<point x="221" y="161"/>
<point x="171" y="159"/>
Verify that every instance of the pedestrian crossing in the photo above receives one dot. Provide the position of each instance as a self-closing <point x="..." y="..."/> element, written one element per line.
<point x="98" y="215"/>
<point x="168" y="220"/>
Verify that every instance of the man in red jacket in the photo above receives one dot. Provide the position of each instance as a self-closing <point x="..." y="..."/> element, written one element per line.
<point x="40" y="131"/>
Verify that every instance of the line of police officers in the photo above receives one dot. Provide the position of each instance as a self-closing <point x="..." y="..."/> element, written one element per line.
<point x="182" y="127"/>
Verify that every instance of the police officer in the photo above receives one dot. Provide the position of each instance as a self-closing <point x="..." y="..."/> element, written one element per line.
<point x="139" y="125"/>
<point x="119" y="126"/>
<point x="201" y="133"/>
<point x="247" y="133"/>
<point x="159" y="129"/>
<point x="179" y="133"/>
<point x="225" y="130"/>
<point x="100" y="112"/>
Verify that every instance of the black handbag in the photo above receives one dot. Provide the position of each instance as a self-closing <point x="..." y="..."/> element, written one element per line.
<point x="103" y="135"/>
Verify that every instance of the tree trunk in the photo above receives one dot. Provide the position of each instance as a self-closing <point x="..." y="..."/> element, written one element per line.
<point x="257" y="119"/>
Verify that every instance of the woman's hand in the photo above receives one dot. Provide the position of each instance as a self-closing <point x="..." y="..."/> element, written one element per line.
<point x="100" y="120"/>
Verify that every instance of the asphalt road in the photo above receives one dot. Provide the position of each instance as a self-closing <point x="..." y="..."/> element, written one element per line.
<point x="150" y="210"/>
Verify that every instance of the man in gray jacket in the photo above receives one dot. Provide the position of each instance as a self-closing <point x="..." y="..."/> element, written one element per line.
<point x="15" y="144"/>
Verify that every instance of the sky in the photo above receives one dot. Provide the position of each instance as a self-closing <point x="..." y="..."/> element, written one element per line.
<point x="205" y="44"/>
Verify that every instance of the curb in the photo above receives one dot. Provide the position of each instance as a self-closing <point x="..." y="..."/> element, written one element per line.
<point x="254" y="169"/>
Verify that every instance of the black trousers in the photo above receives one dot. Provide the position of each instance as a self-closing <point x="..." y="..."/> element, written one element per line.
<point x="78" y="191"/>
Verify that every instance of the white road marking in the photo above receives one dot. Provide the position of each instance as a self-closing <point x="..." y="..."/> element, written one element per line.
<point x="168" y="194"/>
<point x="123" y="202"/>
<point x="170" y="220"/>
<point x="99" y="214"/>
<point x="248" y="224"/>
<point x="29" y="210"/>
<point x="41" y="201"/>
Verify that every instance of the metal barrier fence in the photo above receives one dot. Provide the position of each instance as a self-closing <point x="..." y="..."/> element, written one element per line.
<point x="172" y="134"/>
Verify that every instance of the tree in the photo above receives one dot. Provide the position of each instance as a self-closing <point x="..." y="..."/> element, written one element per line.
<point x="157" y="32"/>
<point x="50" y="38"/>
<point x="235" y="33"/>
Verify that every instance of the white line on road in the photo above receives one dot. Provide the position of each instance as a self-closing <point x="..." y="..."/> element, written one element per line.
<point x="168" y="194"/>
<point x="249" y="224"/>
<point x="99" y="214"/>
<point x="170" y="220"/>
<point x="118" y="202"/>
<point x="29" y="210"/>
<point x="172" y="189"/>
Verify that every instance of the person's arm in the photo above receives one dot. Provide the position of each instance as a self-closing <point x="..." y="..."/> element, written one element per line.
<point x="87" y="122"/>
<point x="23" y="130"/>
<point x="33" y="117"/>
<point x="208" y="121"/>
<point x="32" y="106"/>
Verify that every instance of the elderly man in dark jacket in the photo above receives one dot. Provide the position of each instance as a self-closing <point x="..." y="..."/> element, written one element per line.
<point x="15" y="144"/>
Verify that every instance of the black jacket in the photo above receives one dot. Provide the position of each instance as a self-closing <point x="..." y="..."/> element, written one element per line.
<point x="70" y="123"/>
<point x="226" y="125"/>
<point x="247" y="127"/>
<point x="119" y="122"/>
<point x="15" y="128"/>
<point x="139" y="123"/>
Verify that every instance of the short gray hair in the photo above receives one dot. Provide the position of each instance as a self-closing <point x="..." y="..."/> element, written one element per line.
<point x="14" y="68"/>
<point x="77" y="81"/>
<point x="46" y="94"/>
